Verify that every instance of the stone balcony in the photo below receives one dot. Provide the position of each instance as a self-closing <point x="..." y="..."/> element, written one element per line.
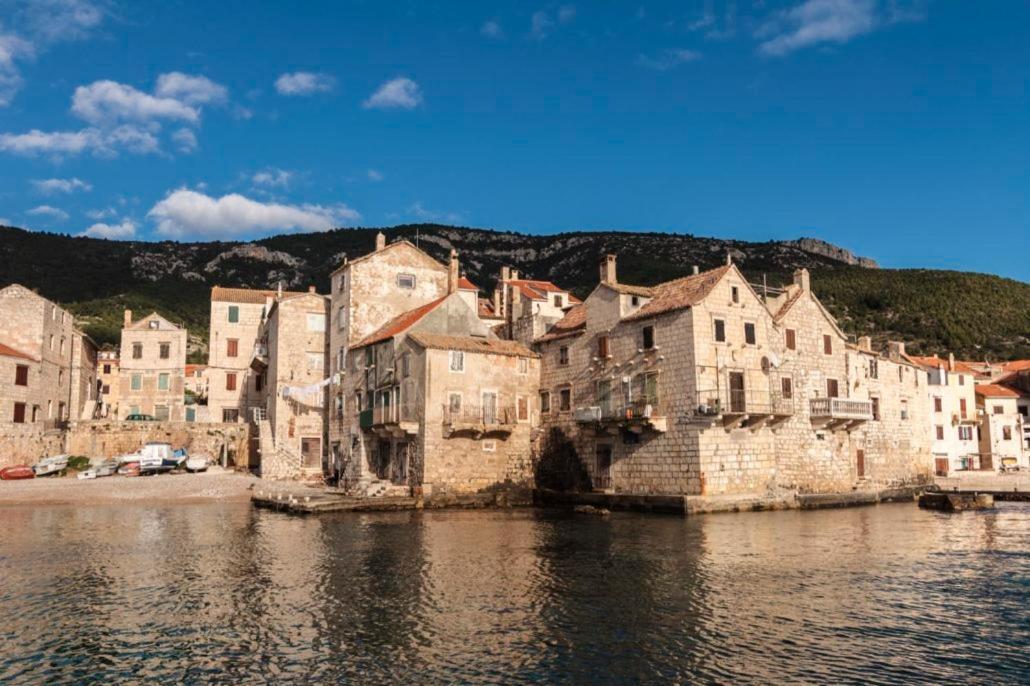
<point x="637" y="417"/>
<point x="479" y="420"/>
<point x="840" y="413"/>
<point x="746" y="409"/>
<point x="397" y="421"/>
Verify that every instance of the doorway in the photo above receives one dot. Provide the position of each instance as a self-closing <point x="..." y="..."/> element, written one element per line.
<point x="860" y="463"/>
<point x="737" y="403"/>
<point x="603" y="467"/>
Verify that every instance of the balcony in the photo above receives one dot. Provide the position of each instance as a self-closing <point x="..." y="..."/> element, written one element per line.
<point x="479" y="420"/>
<point x="637" y="416"/>
<point x="744" y="408"/>
<point x="365" y="419"/>
<point x="259" y="360"/>
<point x="395" y="420"/>
<point x="840" y="413"/>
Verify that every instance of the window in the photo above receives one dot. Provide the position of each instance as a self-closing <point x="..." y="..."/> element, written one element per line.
<point x="720" y="331"/>
<point x="162" y="382"/>
<point x="557" y="299"/>
<point x="107" y="369"/>
<point x="735" y="294"/>
<point x="874" y="368"/>
<point x="522" y="366"/>
<point x="230" y="381"/>
<point x="965" y="433"/>
<point x="647" y="333"/>
<point x="315" y="361"/>
<point x="940" y="432"/>
<point x="787" y="387"/>
<point x="998" y="409"/>
<point x="406" y="280"/>
<point x="634" y="300"/>
<point x="563" y="355"/>
<point x="161" y="413"/>
<point x="62" y="345"/>
<point x="234" y="314"/>
<point x="651" y="388"/>
<point x="602" y="347"/>
<point x="827" y="344"/>
<point x="565" y="400"/>
<point x="259" y="381"/>
<point x="232" y="347"/>
<point x="457" y="361"/>
<point x="961" y="380"/>
<point x="603" y="392"/>
<point x="51" y="342"/>
<point x="230" y="416"/>
<point x="832" y="388"/>
<point x="522" y="408"/>
<point x="136" y="382"/>
<point x="938" y="406"/>
<point x="962" y="407"/>
<point x="341" y="320"/>
<point x="749" y="333"/>
<point x="791" y="337"/>
<point x="545" y="402"/>
<point x="876" y="408"/>
<point x="137" y="351"/>
<point x="901" y="373"/>
<point x="106" y="390"/>
<point x="454" y="403"/>
<point x="405" y="365"/>
<point x="316" y="321"/>
<point x="21" y="375"/>
<point x="904" y="409"/>
<point x="60" y="377"/>
<point x="1006" y="433"/>
<point x="490" y="446"/>
<point x="19" y="413"/>
<point x="154" y="324"/>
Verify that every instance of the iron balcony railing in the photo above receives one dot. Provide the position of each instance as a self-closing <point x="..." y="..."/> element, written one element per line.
<point x="489" y="415"/>
<point x="393" y="414"/>
<point x="840" y="408"/>
<point x="720" y="401"/>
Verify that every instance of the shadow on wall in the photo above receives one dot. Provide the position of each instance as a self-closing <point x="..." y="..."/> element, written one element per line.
<point x="559" y="467"/>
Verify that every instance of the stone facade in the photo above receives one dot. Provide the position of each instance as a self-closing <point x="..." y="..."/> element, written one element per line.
<point x="151" y="371"/>
<point x="107" y="375"/>
<point x="292" y="435"/>
<point x="60" y="382"/>
<point x="1001" y="427"/>
<point x="953" y="416"/>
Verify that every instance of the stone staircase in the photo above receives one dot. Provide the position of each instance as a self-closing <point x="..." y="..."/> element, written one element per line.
<point x="380" y="488"/>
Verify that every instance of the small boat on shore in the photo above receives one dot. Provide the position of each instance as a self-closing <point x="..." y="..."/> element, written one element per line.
<point x="129" y="469"/>
<point x="17" y="472"/>
<point x="87" y="474"/>
<point x="196" y="464"/>
<point x="106" y="468"/>
<point x="51" y="465"/>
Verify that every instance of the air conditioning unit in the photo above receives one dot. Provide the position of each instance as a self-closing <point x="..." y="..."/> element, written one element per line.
<point x="588" y="414"/>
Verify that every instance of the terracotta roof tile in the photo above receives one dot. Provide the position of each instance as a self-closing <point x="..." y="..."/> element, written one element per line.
<point x="8" y="351"/>
<point x="486" y="309"/>
<point x="246" y="296"/>
<point x="933" y="362"/>
<point x="680" y="294"/>
<point x="1016" y="366"/>
<point x="990" y="390"/>
<point x="472" y="344"/>
<point x="787" y="304"/>
<point x="399" y="324"/>
<point x="535" y="290"/>
<point x="644" y="291"/>
<point x="572" y="324"/>
<point x="465" y="285"/>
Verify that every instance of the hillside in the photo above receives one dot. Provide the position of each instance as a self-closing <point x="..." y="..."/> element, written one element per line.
<point x="975" y="315"/>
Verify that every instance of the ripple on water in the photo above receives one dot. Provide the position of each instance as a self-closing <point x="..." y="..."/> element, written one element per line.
<point x="222" y="593"/>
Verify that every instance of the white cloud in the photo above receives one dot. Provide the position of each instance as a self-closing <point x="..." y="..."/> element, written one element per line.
<point x="104" y="103"/>
<point x="189" y="214"/>
<point x="4" y="221"/>
<point x="541" y="23"/>
<point x="97" y="215"/>
<point x="12" y="48"/>
<point x="399" y="93"/>
<point x="128" y="137"/>
<point x="272" y="178"/>
<point x="304" y="83"/>
<point x="59" y="20"/>
<point x="37" y="142"/>
<point x="420" y="212"/>
<point x="49" y="212"/>
<point x="185" y="140"/>
<point x="51" y="186"/>
<point x="668" y="59"/>
<point x="374" y="175"/>
<point x="126" y="229"/>
<point x="566" y="13"/>
<point x="190" y="89"/>
<point x="492" y="29"/>
<point x="814" y="22"/>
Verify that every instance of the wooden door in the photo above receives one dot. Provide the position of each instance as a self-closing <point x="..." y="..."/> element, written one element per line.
<point x="737" y="403"/>
<point x="603" y="467"/>
<point x="860" y="463"/>
<point x="941" y="466"/>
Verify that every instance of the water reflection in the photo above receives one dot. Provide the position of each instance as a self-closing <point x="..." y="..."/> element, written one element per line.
<point x="223" y="593"/>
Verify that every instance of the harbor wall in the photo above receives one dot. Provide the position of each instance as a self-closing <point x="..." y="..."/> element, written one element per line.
<point x="27" y="443"/>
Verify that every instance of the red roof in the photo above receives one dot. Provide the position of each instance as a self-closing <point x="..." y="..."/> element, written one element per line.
<point x="535" y="290"/>
<point x="990" y="390"/>
<point x="574" y="322"/>
<point x="1016" y="366"/>
<point x="8" y="351"/>
<point x="399" y="324"/>
<point x="486" y="309"/>
<point x="465" y="285"/>
<point x="680" y="294"/>
<point x="247" y="296"/>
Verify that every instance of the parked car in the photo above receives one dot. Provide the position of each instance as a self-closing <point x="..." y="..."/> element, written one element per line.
<point x="140" y="418"/>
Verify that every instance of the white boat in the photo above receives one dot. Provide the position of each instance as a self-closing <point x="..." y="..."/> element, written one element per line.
<point x="127" y="458"/>
<point x="196" y="464"/>
<point x="106" y="468"/>
<point x="156" y="457"/>
<point x="50" y="465"/>
<point x="88" y="474"/>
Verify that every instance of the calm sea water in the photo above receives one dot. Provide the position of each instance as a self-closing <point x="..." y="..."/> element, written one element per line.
<point x="227" y="594"/>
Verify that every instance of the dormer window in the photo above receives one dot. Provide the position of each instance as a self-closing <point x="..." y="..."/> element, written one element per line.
<point x="634" y="301"/>
<point x="735" y="294"/>
<point x="647" y="334"/>
<point x="406" y="281"/>
<point x="557" y="300"/>
<point x="602" y="347"/>
<point x="154" y="324"/>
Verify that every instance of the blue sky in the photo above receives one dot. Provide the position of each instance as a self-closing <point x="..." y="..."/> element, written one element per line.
<point x="897" y="129"/>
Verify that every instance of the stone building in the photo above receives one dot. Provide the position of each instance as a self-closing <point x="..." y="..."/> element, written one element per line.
<point x="51" y="366"/>
<point x="107" y="376"/>
<point x="527" y="307"/>
<point x="152" y="368"/>
<point x="434" y="400"/>
<point x="292" y="363"/>
<point x="700" y="386"/>
<point x="237" y="314"/>
<point x="1001" y="427"/>
<point x="953" y="415"/>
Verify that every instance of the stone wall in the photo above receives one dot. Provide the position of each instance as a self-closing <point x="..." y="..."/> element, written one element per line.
<point x="28" y="443"/>
<point x="103" y="438"/>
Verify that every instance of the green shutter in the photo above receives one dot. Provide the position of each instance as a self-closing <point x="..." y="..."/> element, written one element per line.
<point x="234" y="314"/>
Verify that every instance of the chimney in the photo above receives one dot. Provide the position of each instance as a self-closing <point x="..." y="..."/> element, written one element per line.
<point x="729" y="257"/>
<point x="452" y="272"/>
<point x="515" y="274"/>
<point x="695" y="270"/>
<point x="802" y="280"/>
<point x="608" y="269"/>
<point x="497" y="301"/>
<point x="311" y="289"/>
<point x="127" y="322"/>
<point x="380" y="241"/>
<point x="279" y="290"/>
<point x="895" y="350"/>
<point x="951" y="362"/>
<point x="865" y="343"/>
<point x="505" y="273"/>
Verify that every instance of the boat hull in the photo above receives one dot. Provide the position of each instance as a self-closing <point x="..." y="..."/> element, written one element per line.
<point x="17" y="473"/>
